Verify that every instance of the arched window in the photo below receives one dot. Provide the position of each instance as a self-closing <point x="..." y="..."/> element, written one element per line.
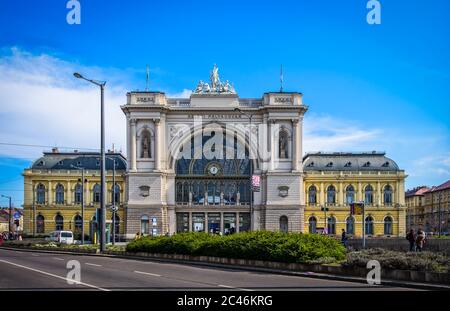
<point x="349" y="195"/>
<point x="283" y="145"/>
<point x="78" y="194"/>
<point x="117" y="223"/>
<point x="312" y="195"/>
<point x="331" y="225"/>
<point x="331" y="194"/>
<point x="145" y="225"/>
<point x="368" y="195"/>
<point x="40" y="224"/>
<point x="312" y="224"/>
<point x="388" y="225"/>
<point x="78" y="224"/>
<point x="115" y="194"/>
<point x="146" y="151"/>
<point x="387" y="195"/>
<point x="369" y="225"/>
<point x="284" y="224"/>
<point x="96" y="191"/>
<point x="59" y="222"/>
<point x="40" y="194"/>
<point x="59" y="192"/>
<point x="350" y="225"/>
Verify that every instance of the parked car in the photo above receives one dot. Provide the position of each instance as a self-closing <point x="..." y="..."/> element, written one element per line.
<point x="63" y="237"/>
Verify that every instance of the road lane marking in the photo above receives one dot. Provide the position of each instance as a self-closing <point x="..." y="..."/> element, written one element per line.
<point x="244" y="289"/>
<point x="92" y="264"/>
<point x="54" y="275"/>
<point x="35" y="255"/>
<point x="56" y="258"/>
<point x="147" y="273"/>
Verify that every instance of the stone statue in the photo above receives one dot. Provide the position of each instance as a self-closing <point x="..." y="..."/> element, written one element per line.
<point x="214" y="77"/>
<point x="283" y="146"/>
<point x="226" y="87"/>
<point x="199" y="88"/>
<point x="215" y="85"/>
<point x="146" y="146"/>
<point x="206" y="88"/>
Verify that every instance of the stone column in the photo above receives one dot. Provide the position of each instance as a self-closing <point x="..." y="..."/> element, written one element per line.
<point x="237" y="222"/>
<point x="272" y="144"/>
<point x="50" y="198"/>
<point x="379" y="194"/>
<point x="295" y="143"/>
<point x="133" y="144"/>
<point x="190" y="221"/>
<point x="221" y="223"/>
<point x="157" y="144"/>
<point x="69" y="194"/>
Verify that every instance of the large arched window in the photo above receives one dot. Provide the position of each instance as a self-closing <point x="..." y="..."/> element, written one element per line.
<point x="40" y="194"/>
<point x="368" y="195"/>
<point x="388" y="225"/>
<point x="117" y="223"/>
<point x="312" y="224"/>
<point x="387" y="194"/>
<point x="369" y="225"/>
<point x="78" y="224"/>
<point x="146" y="150"/>
<point x="283" y="145"/>
<point x="349" y="195"/>
<point x="331" y="195"/>
<point x="331" y="225"/>
<point x="145" y="225"/>
<point x="115" y="194"/>
<point x="59" y="222"/>
<point x="78" y="194"/>
<point x="312" y="195"/>
<point x="59" y="193"/>
<point x="284" y="224"/>
<point x="96" y="192"/>
<point x="350" y="225"/>
<point x="40" y="224"/>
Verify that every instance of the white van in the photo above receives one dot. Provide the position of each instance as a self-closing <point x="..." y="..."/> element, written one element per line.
<point x="63" y="237"/>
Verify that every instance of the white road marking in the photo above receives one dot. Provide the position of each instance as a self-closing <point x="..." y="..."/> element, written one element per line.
<point x="244" y="289"/>
<point x="56" y="258"/>
<point x="35" y="255"/>
<point x="92" y="264"/>
<point x="54" y="275"/>
<point x="147" y="273"/>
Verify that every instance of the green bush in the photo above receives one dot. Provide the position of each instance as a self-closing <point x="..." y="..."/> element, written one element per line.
<point x="258" y="245"/>
<point x="420" y="261"/>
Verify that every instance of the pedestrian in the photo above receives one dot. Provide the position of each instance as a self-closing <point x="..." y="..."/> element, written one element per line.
<point x="344" y="238"/>
<point x="420" y="240"/>
<point x="411" y="237"/>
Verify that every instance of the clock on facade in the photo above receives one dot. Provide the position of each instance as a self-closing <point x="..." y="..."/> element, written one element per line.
<point x="213" y="169"/>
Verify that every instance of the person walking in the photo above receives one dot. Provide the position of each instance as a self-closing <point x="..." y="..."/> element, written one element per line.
<point x="420" y="240"/>
<point x="411" y="237"/>
<point x="344" y="238"/>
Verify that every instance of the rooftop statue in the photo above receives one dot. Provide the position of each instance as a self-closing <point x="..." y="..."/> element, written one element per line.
<point x="215" y="86"/>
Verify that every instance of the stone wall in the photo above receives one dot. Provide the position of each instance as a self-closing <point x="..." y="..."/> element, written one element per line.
<point x="401" y="244"/>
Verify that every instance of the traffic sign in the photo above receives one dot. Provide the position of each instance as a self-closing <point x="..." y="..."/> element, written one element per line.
<point x="16" y="215"/>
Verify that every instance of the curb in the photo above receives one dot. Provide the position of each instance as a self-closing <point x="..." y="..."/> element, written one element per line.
<point x="334" y="277"/>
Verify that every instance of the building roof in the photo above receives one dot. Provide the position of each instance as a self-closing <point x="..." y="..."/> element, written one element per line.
<point x="443" y="186"/>
<point x="88" y="160"/>
<point x="421" y="190"/>
<point x="348" y="161"/>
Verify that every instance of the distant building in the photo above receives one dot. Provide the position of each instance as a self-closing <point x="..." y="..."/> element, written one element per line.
<point x="414" y="200"/>
<point x="17" y="222"/>
<point x="335" y="180"/>
<point x="437" y="208"/>
<point x="53" y="192"/>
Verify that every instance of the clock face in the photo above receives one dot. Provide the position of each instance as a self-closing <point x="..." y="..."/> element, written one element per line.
<point x="213" y="169"/>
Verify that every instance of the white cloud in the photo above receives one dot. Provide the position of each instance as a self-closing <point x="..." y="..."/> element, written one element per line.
<point x="184" y="94"/>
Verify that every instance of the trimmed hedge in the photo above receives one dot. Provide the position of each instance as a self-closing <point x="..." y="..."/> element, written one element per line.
<point x="257" y="245"/>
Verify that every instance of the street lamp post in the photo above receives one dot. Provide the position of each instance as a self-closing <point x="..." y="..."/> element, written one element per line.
<point x="101" y="84"/>
<point x="10" y="212"/>
<point x="113" y="205"/>
<point x="82" y="201"/>
<point x="249" y="116"/>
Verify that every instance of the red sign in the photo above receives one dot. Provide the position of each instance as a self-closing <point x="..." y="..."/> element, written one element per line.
<point x="256" y="183"/>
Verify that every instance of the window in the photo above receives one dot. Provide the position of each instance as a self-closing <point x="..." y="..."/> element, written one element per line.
<point x="284" y="224"/>
<point x="331" y="195"/>
<point x="40" y="224"/>
<point x="350" y="225"/>
<point x="78" y="224"/>
<point x="369" y="225"/>
<point x="78" y="194"/>
<point x="244" y="222"/>
<point x="312" y="195"/>
<point x="387" y="195"/>
<point x="59" y="194"/>
<point x="283" y="145"/>
<point x="117" y="223"/>
<point x="115" y="194"/>
<point x="59" y="222"/>
<point x="146" y="145"/>
<point x="96" y="191"/>
<point x="312" y="224"/>
<point x="331" y="225"/>
<point x="40" y="194"/>
<point x="182" y="222"/>
<point x="388" y="225"/>
<point x="349" y="195"/>
<point x="198" y="222"/>
<point x="368" y="195"/>
<point x="145" y="222"/>
<point x="229" y="223"/>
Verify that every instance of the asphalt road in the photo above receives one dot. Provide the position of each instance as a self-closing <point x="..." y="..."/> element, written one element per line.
<point x="43" y="271"/>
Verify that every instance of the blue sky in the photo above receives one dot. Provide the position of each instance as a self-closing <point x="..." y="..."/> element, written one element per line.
<point x="368" y="87"/>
